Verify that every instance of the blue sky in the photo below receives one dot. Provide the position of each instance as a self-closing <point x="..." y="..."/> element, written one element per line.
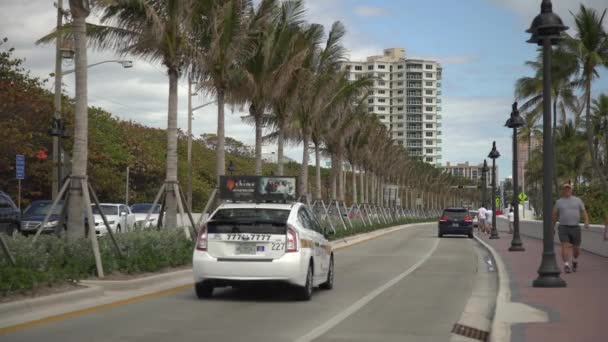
<point x="481" y="44"/>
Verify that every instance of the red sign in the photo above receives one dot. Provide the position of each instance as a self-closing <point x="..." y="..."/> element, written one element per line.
<point x="41" y="154"/>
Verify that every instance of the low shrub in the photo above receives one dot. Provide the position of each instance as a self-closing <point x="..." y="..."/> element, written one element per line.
<point x="53" y="261"/>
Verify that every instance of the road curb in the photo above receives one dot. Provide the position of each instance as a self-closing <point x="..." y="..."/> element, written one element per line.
<point x="506" y="312"/>
<point x="138" y="283"/>
<point x="27" y="305"/>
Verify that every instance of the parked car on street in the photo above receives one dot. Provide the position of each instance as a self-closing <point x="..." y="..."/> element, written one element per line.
<point x="34" y="215"/>
<point x="140" y="211"/>
<point x="455" y="221"/>
<point x="119" y="218"/>
<point x="10" y="216"/>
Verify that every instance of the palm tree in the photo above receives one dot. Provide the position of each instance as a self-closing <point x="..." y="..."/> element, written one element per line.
<point x="273" y="62"/>
<point x="529" y="130"/>
<point x="223" y="41"/>
<point x="591" y="47"/>
<point x="600" y="114"/>
<point x="157" y="31"/>
<point x="80" y="11"/>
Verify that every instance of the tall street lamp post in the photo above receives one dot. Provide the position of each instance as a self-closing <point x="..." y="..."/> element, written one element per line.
<point x="546" y="30"/>
<point x="494" y="155"/>
<point x="515" y="122"/>
<point x="484" y="181"/>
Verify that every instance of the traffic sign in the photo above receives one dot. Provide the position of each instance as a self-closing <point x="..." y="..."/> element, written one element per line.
<point x="498" y="201"/>
<point x="523" y="196"/>
<point x="20" y="166"/>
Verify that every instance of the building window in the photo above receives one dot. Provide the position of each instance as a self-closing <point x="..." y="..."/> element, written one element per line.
<point x="428" y="92"/>
<point x="428" y="134"/>
<point x="370" y="67"/>
<point x="400" y="75"/>
<point x="400" y="92"/>
<point x="382" y="109"/>
<point x="428" y="74"/>
<point x="400" y="142"/>
<point x="381" y="66"/>
<point x="347" y="67"/>
<point x="399" y="108"/>
<point x="358" y="67"/>
<point x="429" y="67"/>
<point x="429" y="151"/>
<point x="429" y="117"/>
<point x="399" y="117"/>
<point x="400" y="100"/>
<point x="429" y="142"/>
<point x="400" y="66"/>
<point x="381" y="92"/>
<point x="399" y="134"/>
<point x="370" y="100"/>
<point x="381" y="83"/>
<point x="381" y="117"/>
<point x="382" y="100"/>
<point x="370" y="109"/>
<point x="429" y="159"/>
<point x="428" y="100"/>
<point x="429" y="126"/>
<point x="429" y="83"/>
<point x="399" y="125"/>
<point x="429" y="109"/>
<point x="400" y="83"/>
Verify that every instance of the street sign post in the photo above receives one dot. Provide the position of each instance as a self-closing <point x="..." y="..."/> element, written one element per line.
<point x="20" y="174"/>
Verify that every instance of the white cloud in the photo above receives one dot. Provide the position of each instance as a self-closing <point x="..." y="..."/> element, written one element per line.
<point x="369" y="11"/>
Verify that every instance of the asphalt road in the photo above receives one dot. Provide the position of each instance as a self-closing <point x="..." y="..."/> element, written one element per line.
<point x="405" y="286"/>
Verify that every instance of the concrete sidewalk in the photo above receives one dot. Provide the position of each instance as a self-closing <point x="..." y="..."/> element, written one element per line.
<point x="578" y="312"/>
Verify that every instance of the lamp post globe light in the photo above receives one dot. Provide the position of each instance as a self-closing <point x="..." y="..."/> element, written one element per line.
<point x="514" y="122"/>
<point x="484" y="181"/>
<point x="546" y="30"/>
<point x="494" y="154"/>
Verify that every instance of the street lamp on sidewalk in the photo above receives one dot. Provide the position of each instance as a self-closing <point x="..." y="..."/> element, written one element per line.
<point x="515" y="121"/>
<point x="484" y="181"/>
<point x="546" y="30"/>
<point x="494" y="155"/>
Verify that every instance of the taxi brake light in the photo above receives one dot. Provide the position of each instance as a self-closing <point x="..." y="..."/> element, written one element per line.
<point x="201" y="244"/>
<point x="292" y="240"/>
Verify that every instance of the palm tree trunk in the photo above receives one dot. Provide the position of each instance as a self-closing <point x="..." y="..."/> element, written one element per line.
<point x="362" y="184"/>
<point x="220" y="152"/>
<point x="354" y="201"/>
<point x="318" y="173"/>
<point x="304" y="167"/>
<point x="339" y="159"/>
<point x="333" y="178"/>
<point x="596" y="166"/>
<point x="258" y="138"/>
<point x="76" y="228"/>
<point x="280" y="146"/>
<point x="171" y="199"/>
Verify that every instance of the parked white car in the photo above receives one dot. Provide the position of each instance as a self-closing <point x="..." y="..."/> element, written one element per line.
<point x="249" y="242"/>
<point x="119" y="218"/>
<point x="140" y="211"/>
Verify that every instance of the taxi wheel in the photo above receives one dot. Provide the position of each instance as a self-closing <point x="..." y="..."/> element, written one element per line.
<point x="304" y="293"/>
<point x="329" y="284"/>
<point x="203" y="290"/>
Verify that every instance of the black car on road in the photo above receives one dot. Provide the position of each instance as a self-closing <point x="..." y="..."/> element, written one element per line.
<point x="455" y="221"/>
<point x="9" y="215"/>
<point x="34" y="215"/>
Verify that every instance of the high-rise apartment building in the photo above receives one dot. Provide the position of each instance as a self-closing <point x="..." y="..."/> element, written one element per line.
<point x="406" y="97"/>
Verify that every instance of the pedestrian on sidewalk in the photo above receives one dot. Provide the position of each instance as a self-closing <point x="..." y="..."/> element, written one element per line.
<point x="511" y="216"/>
<point x="481" y="218"/>
<point x="567" y="211"/>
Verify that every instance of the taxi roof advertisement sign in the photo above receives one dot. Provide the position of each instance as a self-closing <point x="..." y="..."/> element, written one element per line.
<point x="258" y="188"/>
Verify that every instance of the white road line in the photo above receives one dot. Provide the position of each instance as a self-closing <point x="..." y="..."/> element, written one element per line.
<point x="322" y="329"/>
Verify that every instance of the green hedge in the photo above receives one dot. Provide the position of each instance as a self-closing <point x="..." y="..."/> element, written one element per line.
<point x="53" y="261"/>
<point x="359" y="228"/>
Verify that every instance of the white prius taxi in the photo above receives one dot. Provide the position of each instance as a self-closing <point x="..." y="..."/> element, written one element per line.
<point x="262" y="242"/>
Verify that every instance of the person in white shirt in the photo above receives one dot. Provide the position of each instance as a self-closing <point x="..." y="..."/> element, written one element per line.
<point x="488" y="221"/>
<point x="511" y="216"/>
<point x="481" y="218"/>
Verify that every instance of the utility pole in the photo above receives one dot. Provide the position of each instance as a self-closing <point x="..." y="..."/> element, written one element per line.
<point x="189" y="157"/>
<point x="57" y="103"/>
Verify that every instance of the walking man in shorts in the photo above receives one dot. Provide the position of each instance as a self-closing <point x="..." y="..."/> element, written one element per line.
<point x="567" y="211"/>
<point x="481" y="219"/>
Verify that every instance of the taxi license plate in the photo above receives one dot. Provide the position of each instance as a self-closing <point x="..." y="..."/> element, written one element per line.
<point x="245" y="249"/>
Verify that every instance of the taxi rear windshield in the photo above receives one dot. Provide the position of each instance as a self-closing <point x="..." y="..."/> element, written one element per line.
<point x="249" y="220"/>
